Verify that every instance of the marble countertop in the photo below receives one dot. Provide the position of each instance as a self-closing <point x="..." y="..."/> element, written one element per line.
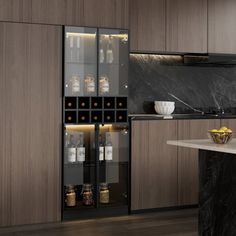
<point x="206" y="144"/>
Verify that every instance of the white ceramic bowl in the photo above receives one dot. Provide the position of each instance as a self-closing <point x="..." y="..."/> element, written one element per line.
<point x="164" y="107"/>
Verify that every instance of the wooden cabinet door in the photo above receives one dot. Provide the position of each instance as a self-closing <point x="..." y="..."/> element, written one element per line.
<point x="186" y="26"/>
<point x="147" y="25"/>
<point x="153" y="164"/>
<point x="221" y="26"/>
<point x="106" y="13"/>
<point x="188" y="158"/>
<point x="30" y="123"/>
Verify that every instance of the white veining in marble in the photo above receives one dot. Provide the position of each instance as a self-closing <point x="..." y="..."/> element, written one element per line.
<point x="206" y="144"/>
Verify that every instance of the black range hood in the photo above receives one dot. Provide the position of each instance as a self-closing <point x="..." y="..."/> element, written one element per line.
<point x="209" y="60"/>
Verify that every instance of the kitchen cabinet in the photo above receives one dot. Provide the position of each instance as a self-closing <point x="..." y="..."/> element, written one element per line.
<point x="163" y="175"/>
<point x="84" y="76"/>
<point x="102" y="13"/>
<point x="186" y="26"/>
<point x="96" y="132"/>
<point x="106" y="13"/>
<point x="221" y="26"/>
<point x="147" y="25"/>
<point x="154" y="165"/>
<point x="30" y="127"/>
<point x="188" y="158"/>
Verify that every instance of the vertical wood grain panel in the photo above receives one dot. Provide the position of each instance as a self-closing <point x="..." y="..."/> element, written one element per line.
<point x="221" y="26"/>
<point x="188" y="158"/>
<point x="31" y="122"/>
<point x="49" y="11"/>
<point x="5" y="139"/>
<point x="147" y="25"/>
<point x="75" y="12"/>
<point x="15" y="10"/>
<point x="186" y="26"/>
<point x="95" y="13"/>
<point x="230" y="123"/>
<point x="106" y="13"/>
<point x="154" y="165"/>
<point x="139" y="159"/>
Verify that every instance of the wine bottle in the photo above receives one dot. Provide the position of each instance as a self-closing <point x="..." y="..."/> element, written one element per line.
<point x="108" y="148"/>
<point x="104" y="86"/>
<point x="78" y="48"/>
<point x="71" y="48"/>
<point x="71" y="151"/>
<point x="109" y="53"/>
<point x="101" y="53"/>
<point x="89" y="84"/>
<point x="101" y="149"/>
<point x="81" y="148"/>
<point x="75" y="85"/>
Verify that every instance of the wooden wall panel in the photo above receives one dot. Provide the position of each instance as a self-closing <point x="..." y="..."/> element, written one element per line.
<point x="49" y="11"/>
<point x="74" y="12"/>
<point x="147" y="25"/>
<point x="229" y="123"/>
<point x="221" y="26"/>
<point x="186" y="26"/>
<point x="95" y="13"/>
<point x="106" y="13"/>
<point x="154" y="165"/>
<point x="30" y="117"/>
<point x="15" y="10"/>
<point x="188" y="158"/>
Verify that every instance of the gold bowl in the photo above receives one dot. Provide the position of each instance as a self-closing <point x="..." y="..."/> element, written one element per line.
<point x="220" y="137"/>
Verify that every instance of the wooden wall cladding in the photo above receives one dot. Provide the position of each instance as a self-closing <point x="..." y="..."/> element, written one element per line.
<point x="95" y="13"/>
<point x="30" y="123"/>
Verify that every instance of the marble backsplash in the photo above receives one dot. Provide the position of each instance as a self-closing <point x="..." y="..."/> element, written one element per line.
<point x="152" y="77"/>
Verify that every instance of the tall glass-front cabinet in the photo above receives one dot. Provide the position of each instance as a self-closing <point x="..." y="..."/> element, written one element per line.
<point x="96" y="132"/>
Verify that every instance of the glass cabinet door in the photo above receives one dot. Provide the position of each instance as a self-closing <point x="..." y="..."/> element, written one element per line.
<point x="113" y="62"/>
<point x="80" y="61"/>
<point x="79" y="167"/>
<point x="113" y="165"/>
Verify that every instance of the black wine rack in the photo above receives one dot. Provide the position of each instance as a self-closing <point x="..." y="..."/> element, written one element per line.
<point x="90" y="110"/>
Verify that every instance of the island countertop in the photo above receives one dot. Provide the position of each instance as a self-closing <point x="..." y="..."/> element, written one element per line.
<point x="206" y="144"/>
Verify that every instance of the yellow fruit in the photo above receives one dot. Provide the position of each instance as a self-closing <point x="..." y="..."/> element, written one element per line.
<point x="229" y="131"/>
<point x="224" y="128"/>
<point x="214" y="130"/>
<point x="221" y="131"/>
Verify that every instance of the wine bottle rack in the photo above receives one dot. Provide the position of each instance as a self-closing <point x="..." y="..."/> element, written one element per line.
<point x="90" y="110"/>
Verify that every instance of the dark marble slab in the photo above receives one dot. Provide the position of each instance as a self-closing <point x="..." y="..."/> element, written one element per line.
<point x="217" y="198"/>
<point x="153" y="76"/>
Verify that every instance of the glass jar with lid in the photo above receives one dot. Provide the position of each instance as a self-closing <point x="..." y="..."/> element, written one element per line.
<point x="70" y="196"/>
<point x="87" y="195"/>
<point x="104" y="193"/>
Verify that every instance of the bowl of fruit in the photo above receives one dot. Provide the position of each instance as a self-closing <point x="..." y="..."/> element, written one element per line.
<point x="221" y="136"/>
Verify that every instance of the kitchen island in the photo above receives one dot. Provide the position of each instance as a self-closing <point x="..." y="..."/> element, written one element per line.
<point x="217" y="186"/>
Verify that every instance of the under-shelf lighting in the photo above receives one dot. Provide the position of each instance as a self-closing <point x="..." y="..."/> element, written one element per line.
<point x="80" y="34"/>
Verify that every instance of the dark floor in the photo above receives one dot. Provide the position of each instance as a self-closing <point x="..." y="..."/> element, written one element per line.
<point x="171" y="223"/>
